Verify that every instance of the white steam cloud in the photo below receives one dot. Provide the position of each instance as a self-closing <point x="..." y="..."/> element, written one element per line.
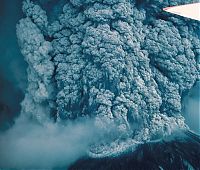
<point x="29" y="145"/>
<point x="191" y="108"/>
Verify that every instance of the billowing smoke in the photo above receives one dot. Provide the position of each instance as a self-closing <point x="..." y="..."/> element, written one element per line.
<point x="116" y="62"/>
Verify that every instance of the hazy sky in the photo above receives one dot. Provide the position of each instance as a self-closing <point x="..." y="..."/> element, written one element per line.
<point x="12" y="65"/>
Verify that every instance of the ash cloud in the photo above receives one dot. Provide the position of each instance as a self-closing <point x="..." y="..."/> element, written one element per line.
<point x="119" y="62"/>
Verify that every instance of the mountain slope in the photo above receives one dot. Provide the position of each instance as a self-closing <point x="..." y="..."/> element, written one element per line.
<point x="180" y="153"/>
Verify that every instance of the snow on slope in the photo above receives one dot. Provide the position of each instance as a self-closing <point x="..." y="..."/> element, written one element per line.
<point x="124" y="63"/>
